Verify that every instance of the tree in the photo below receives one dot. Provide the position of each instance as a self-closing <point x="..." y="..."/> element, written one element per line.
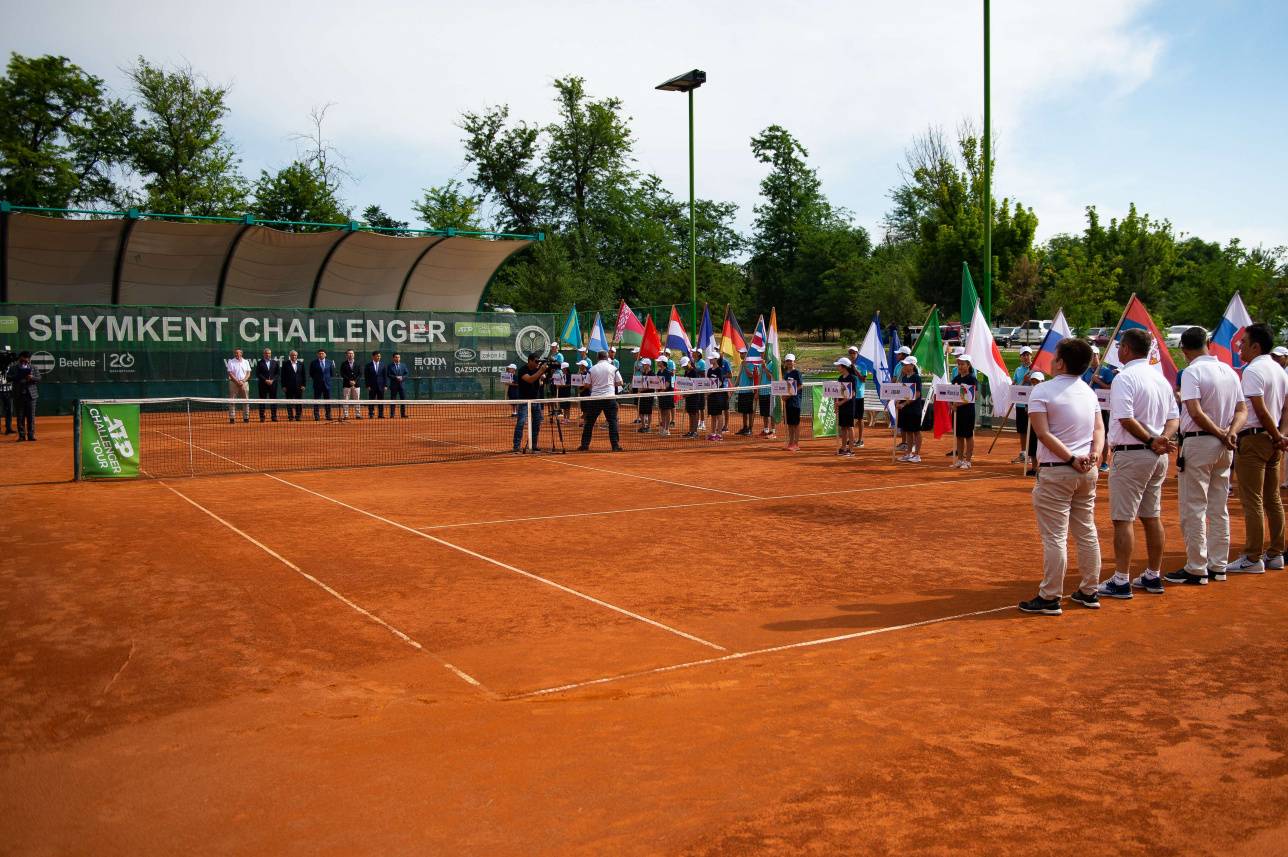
<point x="449" y="207"/>
<point x="179" y="149"/>
<point x="297" y="193"/>
<point x="61" y="136"/>
<point x="374" y="215"/>
<point x="505" y="167"/>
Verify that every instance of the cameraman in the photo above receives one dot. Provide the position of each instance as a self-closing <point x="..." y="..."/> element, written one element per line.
<point x="7" y="359"/>
<point x="528" y="384"/>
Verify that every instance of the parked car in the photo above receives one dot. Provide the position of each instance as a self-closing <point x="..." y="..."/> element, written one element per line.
<point x="951" y="333"/>
<point x="1033" y="331"/>
<point x="1098" y="336"/>
<point x="1173" y="335"/>
<point x="1006" y="335"/>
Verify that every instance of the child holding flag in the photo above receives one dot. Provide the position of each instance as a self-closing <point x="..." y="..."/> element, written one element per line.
<point x="964" y="418"/>
<point x="845" y="407"/>
<point x="747" y="374"/>
<point x="666" y="399"/>
<point x="792" y="403"/>
<point x="645" y="402"/>
<point x="910" y="410"/>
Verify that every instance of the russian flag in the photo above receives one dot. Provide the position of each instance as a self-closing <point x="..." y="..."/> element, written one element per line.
<point x="677" y="338"/>
<point x="1229" y="333"/>
<point x="1059" y="331"/>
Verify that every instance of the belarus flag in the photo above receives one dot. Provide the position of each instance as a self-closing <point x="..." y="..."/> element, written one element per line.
<point x="1229" y="333"/>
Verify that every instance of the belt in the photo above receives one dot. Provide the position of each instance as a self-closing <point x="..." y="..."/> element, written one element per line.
<point x="1249" y="431"/>
<point x="1055" y="464"/>
<point x="1129" y="447"/>
<point x="1198" y="434"/>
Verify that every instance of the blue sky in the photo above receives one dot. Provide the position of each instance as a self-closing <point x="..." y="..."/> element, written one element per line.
<point x="1177" y="106"/>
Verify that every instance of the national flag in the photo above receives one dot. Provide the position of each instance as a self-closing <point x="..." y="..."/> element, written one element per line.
<point x="731" y="338"/>
<point x="677" y="338"/>
<point x="773" y="358"/>
<point x="872" y="359"/>
<point x="1136" y="316"/>
<point x="895" y="345"/>
<point x="598" y="340"/>
<point x="571" y="330"/>
<point x="969" y="296"/>
<point x="1059" y="332"/>
<point x="1229" y="333"/>
<point x="987" y="360"/>
<point x="706" y="339"/>
<point x="756" y="347"/>
<point x="650" y="342"/>
<point x="629" y="330"/>
<point x="929" y="351"/>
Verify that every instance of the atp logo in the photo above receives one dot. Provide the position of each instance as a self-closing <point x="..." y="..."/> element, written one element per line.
<point x="120" y="437"/>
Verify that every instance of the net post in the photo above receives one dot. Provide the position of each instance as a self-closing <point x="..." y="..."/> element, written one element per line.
<point x="528" y="426"/>
<point x="76" y="440"/>
<point x="192" y="467"/>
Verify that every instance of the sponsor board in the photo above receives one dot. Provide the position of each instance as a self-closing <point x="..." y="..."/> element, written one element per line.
<point x="493" y="354"/>
<point x="109" y="441"/>
<point x="485" y="329"/>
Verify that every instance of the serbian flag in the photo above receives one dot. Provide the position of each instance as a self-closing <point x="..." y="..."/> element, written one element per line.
<point x="629" y="330"/>
<point x="1046" y="353"/>
<point x="1229" y="333"/>
<point x="650" y="342"/>
<point x="1159" y="357"/>
<point x="677" y="338"/>
<point x="731" y="338"/>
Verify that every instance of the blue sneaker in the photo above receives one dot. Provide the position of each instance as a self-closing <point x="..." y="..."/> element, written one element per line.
<point x="1109" y="589"/>
<point x="1152" y="585"/>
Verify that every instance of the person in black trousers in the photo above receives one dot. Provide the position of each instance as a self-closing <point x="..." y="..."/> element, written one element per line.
<point x="293" y="385"/>
<point x="24" y="378"/>
<point x="7" y="359"/>
<point x="267" y="373"/>
<point x="320" y="372"/>
<point x="397" y="374"/>
<point x="375" y="375"/>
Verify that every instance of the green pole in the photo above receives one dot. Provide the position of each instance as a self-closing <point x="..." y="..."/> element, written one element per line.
<point x="988" y="187"/>
<point x="693" y="232"/>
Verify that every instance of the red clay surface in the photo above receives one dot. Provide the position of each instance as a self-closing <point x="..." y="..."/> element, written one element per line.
<point x="302" y="684"/>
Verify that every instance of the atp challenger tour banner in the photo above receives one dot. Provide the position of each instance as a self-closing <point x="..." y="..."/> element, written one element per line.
<point x="134" y="351"/>
<point x="824" y="422"/>
<point x="109" y="444"/>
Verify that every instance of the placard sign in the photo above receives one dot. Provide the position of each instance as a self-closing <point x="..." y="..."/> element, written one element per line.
<point x="579" y="380"/>
<point x="557" y="379"/>
<point x="1102" y="396"/>
<point x="705" y="383"/>
<point x="834" y="390"/>
<point x="507" y="377"/>
<point x="1020" y="394"/>
<point x="655" y="382"/>
<point x="955" y="393"/>
<point x="782" y="388"/>
<point x="684" y="385"/>
<point x="895" y="392"/>
<point x="637" y="382"/>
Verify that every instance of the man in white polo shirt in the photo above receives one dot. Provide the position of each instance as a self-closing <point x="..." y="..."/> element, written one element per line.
<point x="1065" y="417"/>
<point x="603" y="381"/>
<point x="1261" y="442"/>
<point x="1142" y="419"/>
<point x="238" y="385"/>
<point x="1212" y="414"/>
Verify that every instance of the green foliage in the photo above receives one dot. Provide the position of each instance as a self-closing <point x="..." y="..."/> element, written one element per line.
<point x="374" y="215"/>
<point x="178" y="145"/>
<point x="448" y="207"/>
<point x="61" y="137"/>
<point x="297" y="192"/>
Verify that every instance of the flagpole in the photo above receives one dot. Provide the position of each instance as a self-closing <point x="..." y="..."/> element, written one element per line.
<point x="1121" y="319"/>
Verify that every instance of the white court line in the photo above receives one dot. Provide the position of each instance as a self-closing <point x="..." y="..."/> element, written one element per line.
<point x="949" y="481"/>
<point x="582" y="595"/>
<point x="740" y="655"/>
<point x="649" y="478"/>
<point x="469" y="679"/>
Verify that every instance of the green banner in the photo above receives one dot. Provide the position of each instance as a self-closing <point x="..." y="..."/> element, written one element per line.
<point x="824" y="424"/>
<point x="109" y="446"/>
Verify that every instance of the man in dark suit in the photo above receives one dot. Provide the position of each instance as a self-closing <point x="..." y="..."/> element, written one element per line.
<point x="397" y="373"/>
<point x="320" y="372"/>
<point x="24" y="377"/>
<point x="293" y="384"/>
<point x="267" y="373"/>
<point x="375" y="375"/>
<point x="350" y="386"/>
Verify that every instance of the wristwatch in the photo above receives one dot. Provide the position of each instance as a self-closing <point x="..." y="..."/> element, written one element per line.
<point x="1071" y="460"/>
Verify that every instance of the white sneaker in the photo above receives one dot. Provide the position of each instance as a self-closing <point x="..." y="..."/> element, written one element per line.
<point x="965" y="465"/>
<point x="904" y="457"/>
<point x="913" y="459"/>
<point x="1273" y="563"/>
<point x="1243" y="565"/>
<point x="955" y="465"/>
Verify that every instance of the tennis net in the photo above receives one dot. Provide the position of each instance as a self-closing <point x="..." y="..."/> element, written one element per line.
<point x="173" y="437"/>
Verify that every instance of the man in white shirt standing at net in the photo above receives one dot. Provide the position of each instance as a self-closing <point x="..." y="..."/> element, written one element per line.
<point x="1261" y="445"/>
<point x="1142" y="419"/>
<point x="1064" y="414"/>
<point x="238" y="384"/>
<point x="1212" y="414"/>
<point x="603" y="381"/>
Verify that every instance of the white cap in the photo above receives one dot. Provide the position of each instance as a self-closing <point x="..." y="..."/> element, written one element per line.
<point x="1095" y="349"/>
<point x="964" y="357"/>
<point x="1026" y="350"/>
<point x="563" y="365"/>
<point x="511" y="366"/>
<point x="910" y="360"/>
<point x="554" y="344"/>
<point x="958" y="351"/>
<point x="1280" y="351"/>
<point x="633" y="350"/>
<point x="684" y="361"/>
<point x="791" y="357"/>
<point x="581" y="363"/>
<point x="582" y="349"/>
<point x="644" y="361"/>
<point x="854" y="348"/>
<point x="713" y="353"/>
<point x="612" y="349"/>
<point x="1037" y="376"/>
<point x="843" y="361"/>
<point x="903" y="349"/>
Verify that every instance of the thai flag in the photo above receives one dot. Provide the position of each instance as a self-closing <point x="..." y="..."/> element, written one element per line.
<point x="1229" y="333"/>
<point x="1046" y="353"/>
<point x="677" y="338"/>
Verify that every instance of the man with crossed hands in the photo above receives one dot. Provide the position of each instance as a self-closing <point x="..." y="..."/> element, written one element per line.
<point x="1064" y="415"/>
<point x="1143" y="416"/>
<point x="1212" y="415"/>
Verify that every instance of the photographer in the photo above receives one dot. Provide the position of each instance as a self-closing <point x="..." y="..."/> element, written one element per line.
<point x="528" y="385"/>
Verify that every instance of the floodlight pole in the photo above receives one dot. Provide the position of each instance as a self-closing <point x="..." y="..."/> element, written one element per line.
<point x="988" y="188"/>
<point x="693" y="230"/>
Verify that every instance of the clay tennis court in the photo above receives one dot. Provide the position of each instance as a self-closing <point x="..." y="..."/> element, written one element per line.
<point x="725" y="651"/>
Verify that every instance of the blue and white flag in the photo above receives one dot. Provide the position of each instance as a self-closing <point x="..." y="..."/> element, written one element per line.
<point x="872" y="359"/>
<point x="598" y="341"/>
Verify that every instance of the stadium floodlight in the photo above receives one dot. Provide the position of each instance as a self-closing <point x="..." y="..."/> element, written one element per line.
<point x="688" y="82"/>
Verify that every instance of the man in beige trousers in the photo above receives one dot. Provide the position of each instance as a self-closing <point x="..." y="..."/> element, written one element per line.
<point x="1064" y="415"/>
<point x="1212" y="415"/>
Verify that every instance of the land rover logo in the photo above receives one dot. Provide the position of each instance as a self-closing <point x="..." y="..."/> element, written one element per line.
<point x="465" y="355"/>
<point x="531" y="338"/>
